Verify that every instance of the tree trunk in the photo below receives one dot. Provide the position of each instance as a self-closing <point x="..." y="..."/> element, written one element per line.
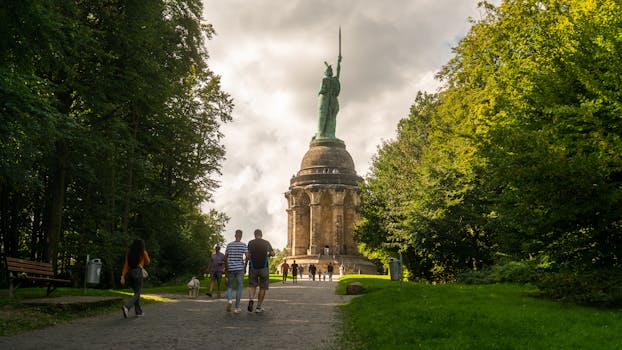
<point x="130" y="177"/>
<point x="4" y="213"/>
<point x="55" y="203"/>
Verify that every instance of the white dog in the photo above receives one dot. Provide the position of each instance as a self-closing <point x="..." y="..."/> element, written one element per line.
<point x="193" y="287"/>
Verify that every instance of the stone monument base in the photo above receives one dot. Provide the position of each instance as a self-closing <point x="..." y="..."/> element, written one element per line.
<point x="352" y="264"/>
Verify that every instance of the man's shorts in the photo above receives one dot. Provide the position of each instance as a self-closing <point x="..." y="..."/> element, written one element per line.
<point x="263" y="275"/>
<point x="216" y="276"/>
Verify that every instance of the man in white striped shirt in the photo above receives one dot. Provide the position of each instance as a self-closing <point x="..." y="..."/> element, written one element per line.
<point x="236" y="258"/>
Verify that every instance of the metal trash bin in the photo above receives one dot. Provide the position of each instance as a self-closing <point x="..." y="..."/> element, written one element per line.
<point x="395" y="269"/>
<point x="93" y="271"/>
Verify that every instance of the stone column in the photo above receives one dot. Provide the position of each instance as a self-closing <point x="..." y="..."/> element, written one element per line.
<point x="314" y="221"/>
<point x="337" y="207"/>
<point x="290" y="225"/>
<point x="350" y="217"/>
<point x="299" y="230"/>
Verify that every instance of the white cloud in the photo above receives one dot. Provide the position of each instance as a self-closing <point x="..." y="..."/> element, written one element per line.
<point x="270" y="55"/>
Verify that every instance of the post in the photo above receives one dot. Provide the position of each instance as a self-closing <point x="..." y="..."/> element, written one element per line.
<point x="86" y="271"/>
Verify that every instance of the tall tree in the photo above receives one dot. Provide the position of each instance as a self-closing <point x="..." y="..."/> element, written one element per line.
<point x="110" y="127"/>
<point x="521" y="155"/>
<point x="549" y="73"/>
<point x="420" y="200"/>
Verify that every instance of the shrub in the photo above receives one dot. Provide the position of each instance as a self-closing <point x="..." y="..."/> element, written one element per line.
<point x="507" y="272"/>
<point x="598" y="288"/>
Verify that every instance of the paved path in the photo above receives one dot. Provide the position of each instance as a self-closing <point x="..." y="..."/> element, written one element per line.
<point x="301" y="316"/>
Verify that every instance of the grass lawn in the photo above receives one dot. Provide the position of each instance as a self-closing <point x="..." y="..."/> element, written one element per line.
<point x="454" y="316"/>
<point x="16" y="317"/>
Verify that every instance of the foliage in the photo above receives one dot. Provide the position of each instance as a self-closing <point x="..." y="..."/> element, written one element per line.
<point x="595" y="287"/>
<point x="549" y="124"/>
<point x="519" y="153"/>
<point x="274" y="263"/>
<point x="508" y="272"/>
<point x="455" y="316"/>
<point x="109" y="130"/>
<point x="419" y="199"/>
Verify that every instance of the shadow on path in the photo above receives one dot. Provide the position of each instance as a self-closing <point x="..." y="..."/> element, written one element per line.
<point x="300" y="316"/>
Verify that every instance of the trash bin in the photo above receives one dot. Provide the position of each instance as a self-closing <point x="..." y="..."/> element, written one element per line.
<point x="93" y="271"/>
<point x="395" y="269"/>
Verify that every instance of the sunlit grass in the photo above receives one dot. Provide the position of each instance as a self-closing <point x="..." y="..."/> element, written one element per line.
<point x="425" y="316"/>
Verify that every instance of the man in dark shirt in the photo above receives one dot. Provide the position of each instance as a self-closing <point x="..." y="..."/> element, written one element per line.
<point x="330" y="268"/>
<point x="294" y="271"/>
<point x="258" y="273"/>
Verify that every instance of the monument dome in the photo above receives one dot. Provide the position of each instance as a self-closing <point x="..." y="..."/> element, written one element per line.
<point x="326" y="162"/>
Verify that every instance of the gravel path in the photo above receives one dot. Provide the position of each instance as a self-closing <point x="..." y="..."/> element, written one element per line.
<point x="300" y="316"/>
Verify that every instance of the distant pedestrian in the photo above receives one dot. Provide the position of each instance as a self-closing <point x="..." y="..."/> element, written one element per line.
<point x="312" y="270"/>
<point x="284" y="270"/>
<point x="301" y="270"/>
<point x="330" y="268"/>
<point x="135" y="260"/>
<point x="259" y="275"/>
<point x="236" y="258"/>
<point x="216" y="268"/>
<point x="294" y="271"/>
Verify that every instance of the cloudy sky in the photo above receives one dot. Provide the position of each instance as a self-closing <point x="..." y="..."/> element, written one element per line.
<point x="270" y="55"/>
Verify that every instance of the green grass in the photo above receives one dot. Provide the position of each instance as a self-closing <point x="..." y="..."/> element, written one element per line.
<point x="454" y="316"/>
<point x="16" y="317"/>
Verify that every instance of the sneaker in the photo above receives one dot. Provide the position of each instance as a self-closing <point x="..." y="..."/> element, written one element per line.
<point x="237" y="310"/>
<point x="229" y="306"/>
<point x="250" y="305"/>
<point x="140" y="314"/>
<point x="259" y="310"/>
<point x="209" y="294"/>
<point x="125" y="311"/>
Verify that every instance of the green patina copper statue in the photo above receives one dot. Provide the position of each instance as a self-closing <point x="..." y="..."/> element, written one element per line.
<point x="328" y="103"/>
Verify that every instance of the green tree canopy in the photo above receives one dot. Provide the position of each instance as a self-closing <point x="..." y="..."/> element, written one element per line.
<point x="518" y="154"/>
<point x="110" y="130"/>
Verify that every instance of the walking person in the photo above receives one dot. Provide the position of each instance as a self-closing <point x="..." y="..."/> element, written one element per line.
<point x="284" y="270"/>
<point x="330" y="268"/>
<point x="302" y="270"/>
<point x="216" y="269"/>
<point x="259" y="250"/>
<point x="136" y="258"/>
<point x="236" y="258"/>
<point x="312" y="270"/>
<point x="294" y="272"/>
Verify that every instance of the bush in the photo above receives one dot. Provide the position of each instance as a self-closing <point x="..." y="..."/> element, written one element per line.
<point x="507" y="272"/>
<point x="597" y="288"/>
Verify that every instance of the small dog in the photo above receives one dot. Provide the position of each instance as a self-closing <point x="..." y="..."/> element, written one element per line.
<point x="193" y="287"/>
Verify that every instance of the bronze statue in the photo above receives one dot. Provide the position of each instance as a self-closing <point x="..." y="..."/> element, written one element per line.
<point x="328" y="103"/>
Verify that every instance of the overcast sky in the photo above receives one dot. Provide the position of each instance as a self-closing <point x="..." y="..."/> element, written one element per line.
<point x="270" y="55"/>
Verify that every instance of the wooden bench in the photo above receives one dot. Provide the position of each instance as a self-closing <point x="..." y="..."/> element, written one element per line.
<point x="21" y="270"/>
